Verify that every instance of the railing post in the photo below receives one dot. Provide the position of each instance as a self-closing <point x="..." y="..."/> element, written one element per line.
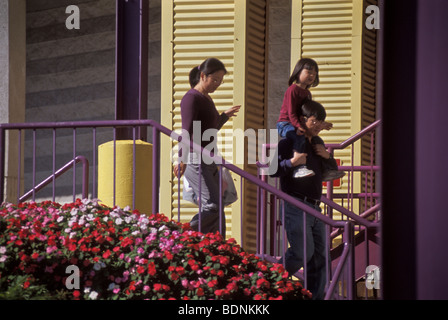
<point x="155" y="169"/>
<point x="349" y="240"/>
<point x="2" y="165"/>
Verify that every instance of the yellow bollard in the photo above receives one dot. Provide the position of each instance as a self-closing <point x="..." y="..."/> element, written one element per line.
<point x="124" y="174"/>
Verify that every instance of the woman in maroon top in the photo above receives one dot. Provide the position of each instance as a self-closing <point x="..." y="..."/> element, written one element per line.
<point x="199" y="112"/>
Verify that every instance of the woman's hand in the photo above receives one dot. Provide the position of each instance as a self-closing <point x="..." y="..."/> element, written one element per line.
<point x="232" y="111"/>
<point x="182" y="168"/>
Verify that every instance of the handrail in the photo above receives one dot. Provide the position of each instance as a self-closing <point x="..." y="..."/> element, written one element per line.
<point x="355" y="137"/>
<point x="173" y="135"/>
<point x="58" y="173"/>
<point x="337" y="273"/>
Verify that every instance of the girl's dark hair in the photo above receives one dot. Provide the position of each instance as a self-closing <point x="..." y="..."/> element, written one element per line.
<point x="313" y="108"/>
<point x="209" y="66"/>
<point x="304" y="63"/>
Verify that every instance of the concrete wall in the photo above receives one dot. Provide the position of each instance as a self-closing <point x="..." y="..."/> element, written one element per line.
<point x="71" y="77"/>
<point x="279" y="68"/>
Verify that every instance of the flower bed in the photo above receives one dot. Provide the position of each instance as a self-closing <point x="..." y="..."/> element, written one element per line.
<point x="120" y="254"/>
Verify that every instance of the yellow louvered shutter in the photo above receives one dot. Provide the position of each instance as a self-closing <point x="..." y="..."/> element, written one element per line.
<point x="193" y="31"/>
<point x="332" y="33"/>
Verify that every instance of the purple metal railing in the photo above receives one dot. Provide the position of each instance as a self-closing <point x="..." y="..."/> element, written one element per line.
<point x="271" y="221"/>
<point x="344" y="267"/>
<point x="51" y="179"/>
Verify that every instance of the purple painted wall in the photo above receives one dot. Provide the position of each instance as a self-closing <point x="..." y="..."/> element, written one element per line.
<point x="432" y="150"/>
<point x="415" y="150"/>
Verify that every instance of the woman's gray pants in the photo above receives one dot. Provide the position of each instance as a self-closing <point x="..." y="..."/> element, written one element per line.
<point x="208" y="219"/>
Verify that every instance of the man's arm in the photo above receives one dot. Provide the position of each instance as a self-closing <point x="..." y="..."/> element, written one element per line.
<point x="286" y="163"/>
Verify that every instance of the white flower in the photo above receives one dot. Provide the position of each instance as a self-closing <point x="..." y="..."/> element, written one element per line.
<point x="93" y="295"/>
<point x="118" y="221"/>
<point x="3" y="249"/>
<point x="128" y="219"/>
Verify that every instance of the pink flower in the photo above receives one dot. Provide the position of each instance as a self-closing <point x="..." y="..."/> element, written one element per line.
<point x="50" y="249"/>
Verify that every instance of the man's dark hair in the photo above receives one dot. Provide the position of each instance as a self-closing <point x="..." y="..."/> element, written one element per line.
<point x="313" y="108"/>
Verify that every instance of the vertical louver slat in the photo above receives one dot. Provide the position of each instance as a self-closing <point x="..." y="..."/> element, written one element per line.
<point x="369" y="58"/>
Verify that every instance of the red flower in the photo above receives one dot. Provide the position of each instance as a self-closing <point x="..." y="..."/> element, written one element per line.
<point x="140" y="269"/>
<point x="180" y="270"/>
<point x="221" y="292"/>
<point x="126" y="242"/>
<point x="71" y="246"/>
<point x="263" y="283"/>
<point x="232" y="286"/>
<point x="76" y="294"/>
<point x="200" y="292"/>
<point x="152" y="268"/>
<point x="106" y="254"/>
<point x="96" y="250"/>
<point x="168" y="255"/>
<point x="212" y="283"/>
<point x="157" y="286"/>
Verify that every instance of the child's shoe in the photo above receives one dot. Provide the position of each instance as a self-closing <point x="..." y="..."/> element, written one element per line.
<point x="302" y="172"/>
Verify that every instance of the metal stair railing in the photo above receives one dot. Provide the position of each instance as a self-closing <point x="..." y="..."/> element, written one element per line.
<point x="270" y="219"/>
<point x="345" y="264"/>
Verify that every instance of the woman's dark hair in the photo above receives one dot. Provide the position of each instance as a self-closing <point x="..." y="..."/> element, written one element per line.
<point x="209" y="66"/>
<point x="304" y="63"/>
<point x="313" y="108"/>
